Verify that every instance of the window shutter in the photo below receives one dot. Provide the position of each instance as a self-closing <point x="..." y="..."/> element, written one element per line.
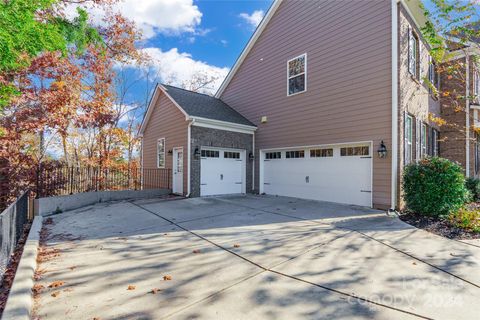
<point x="417" y="139"/>
<point x="410" y="50"/>
<point x="419" y="61"/>
<point x="405" y="138"/>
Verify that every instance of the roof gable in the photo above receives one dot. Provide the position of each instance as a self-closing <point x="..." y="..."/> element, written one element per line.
<point x="196" y="106"/>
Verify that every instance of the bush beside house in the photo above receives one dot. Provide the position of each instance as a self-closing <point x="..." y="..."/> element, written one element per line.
<point x="434" y="187"/>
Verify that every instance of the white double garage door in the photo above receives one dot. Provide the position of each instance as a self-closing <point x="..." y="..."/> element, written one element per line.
<point x="337" y="173"/>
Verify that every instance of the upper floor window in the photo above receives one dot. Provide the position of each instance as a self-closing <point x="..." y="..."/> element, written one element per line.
<point x="161" y="153"/>
<point x="297" y="74"/>
<point x="413" y="54"/>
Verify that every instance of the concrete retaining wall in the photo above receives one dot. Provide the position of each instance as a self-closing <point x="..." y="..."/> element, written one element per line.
<point x="20" y="300"/>
<point x="48" y="206"/>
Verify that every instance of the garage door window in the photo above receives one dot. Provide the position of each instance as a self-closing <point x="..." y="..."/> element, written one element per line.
<point x="231" y="155"/>
<point x="210" y="154"/>
<point x="295" y="154"/>
<point x="354" y="151"/>
<point x="321" y="153"/>
<point x="273" y="155"/>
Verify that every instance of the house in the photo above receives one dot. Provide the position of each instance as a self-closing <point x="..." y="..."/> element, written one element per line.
<point x="460" y="140"/>
<point x="328" y="101"/>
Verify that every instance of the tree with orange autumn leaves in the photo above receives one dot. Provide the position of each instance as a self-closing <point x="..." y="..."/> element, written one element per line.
<point x="57" y="93"/>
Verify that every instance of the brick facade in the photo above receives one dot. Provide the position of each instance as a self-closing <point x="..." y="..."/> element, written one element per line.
<point x="207" y="137"/>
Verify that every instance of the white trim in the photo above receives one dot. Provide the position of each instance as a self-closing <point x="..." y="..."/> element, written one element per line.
<point x="164" y="153"/>
<point x="189" y="155"/>
<point x="253" y="162"/>
<point x="222" y="125"/>
<point x="174" y="168"/>
<point x="243" y="152"/>
<point x="304" y="73"/>
<point x="307" y="155"/>
<point x="467" y="118"/>
<point x="249" y="46"/>
<point x="353" y="143"/>
<point x="394" y="172"/>
<point x="151" y="105"/>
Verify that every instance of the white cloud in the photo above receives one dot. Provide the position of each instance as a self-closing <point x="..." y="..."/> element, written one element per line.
<point x="253" y="19"/>
<point x="176" y="68"/>
<point x="154" y="16"/>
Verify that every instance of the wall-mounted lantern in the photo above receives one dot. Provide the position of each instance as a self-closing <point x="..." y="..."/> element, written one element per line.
<point x="170" y="152"/>
<point x="382" y="150"/>
<point x="196" y="153"/>
<point x="251" y="157"/>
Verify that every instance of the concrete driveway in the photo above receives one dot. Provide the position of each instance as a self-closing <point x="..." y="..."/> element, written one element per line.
<point x="251" y="257"/>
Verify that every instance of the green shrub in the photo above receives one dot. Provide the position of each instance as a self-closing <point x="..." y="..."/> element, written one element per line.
<point x="434" y="186"/>
<point x="468" y="219"/>
<point x="473" y="185"/>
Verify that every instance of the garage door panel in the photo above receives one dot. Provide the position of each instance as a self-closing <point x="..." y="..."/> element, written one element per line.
<point x="343" y="179"/>
<point x="221" y="175"/>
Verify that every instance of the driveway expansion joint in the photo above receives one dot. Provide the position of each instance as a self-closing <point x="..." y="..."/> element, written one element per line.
<point x="265" y="269"/>
<point x="371" y="238"/>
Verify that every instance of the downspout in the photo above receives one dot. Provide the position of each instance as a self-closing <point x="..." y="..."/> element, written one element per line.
<point x="141" y="162"/>
<point x="253" y="164"/>
<point x="394" y="71"/>
<point x="467" y="117"/>
<point x="189" y="160"/>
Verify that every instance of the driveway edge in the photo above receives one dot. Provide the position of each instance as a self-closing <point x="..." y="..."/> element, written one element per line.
<point x="20" y="299"/>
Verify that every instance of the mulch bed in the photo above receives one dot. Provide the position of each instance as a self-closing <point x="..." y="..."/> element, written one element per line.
<point x="440" y="226"/>
<point x="12" y="269"/>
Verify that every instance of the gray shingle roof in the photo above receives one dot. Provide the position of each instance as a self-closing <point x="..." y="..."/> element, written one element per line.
<point x="202" y="105"/>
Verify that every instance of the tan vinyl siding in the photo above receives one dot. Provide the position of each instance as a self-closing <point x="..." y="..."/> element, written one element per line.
<point x="166" y="121"/>
<point x="348" y="97"/>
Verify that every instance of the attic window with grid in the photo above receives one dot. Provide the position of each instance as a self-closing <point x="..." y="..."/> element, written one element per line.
<point x="297" y="73"/>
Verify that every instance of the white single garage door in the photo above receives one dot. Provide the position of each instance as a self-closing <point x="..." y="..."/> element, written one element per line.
<point x="336" y="173"/>
<point x="222" y="171"/>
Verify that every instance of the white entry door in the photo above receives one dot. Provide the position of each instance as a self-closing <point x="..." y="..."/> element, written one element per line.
<point x="177" y="170"/>
<point x="222" y="171"/>
<point x="338" y="173"/>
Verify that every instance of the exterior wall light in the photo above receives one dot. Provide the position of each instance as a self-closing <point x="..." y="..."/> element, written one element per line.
<point x="382" y="150"/>
<point x="170" y="152"/>
<point x="196" y="153"/>
<point x="251" y="157"/>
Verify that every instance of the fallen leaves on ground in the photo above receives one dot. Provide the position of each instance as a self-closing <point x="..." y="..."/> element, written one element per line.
<point x="37" y="288"/>
<point x="130" y="287"/>
<point x="56" y="284"/>
<point x="155" y="290"/>
<point x="236" y="245"/>
<point x="166" y="278"/>
<point x="197" y="251"/>
<point x="55" y="294"/>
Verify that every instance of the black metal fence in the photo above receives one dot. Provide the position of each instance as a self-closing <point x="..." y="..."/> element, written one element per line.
<point x="63" y="180"/>
<point x="12" y="222"/>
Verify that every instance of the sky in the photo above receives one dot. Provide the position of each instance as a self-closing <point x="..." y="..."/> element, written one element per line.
<point x="184" y="37"/>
